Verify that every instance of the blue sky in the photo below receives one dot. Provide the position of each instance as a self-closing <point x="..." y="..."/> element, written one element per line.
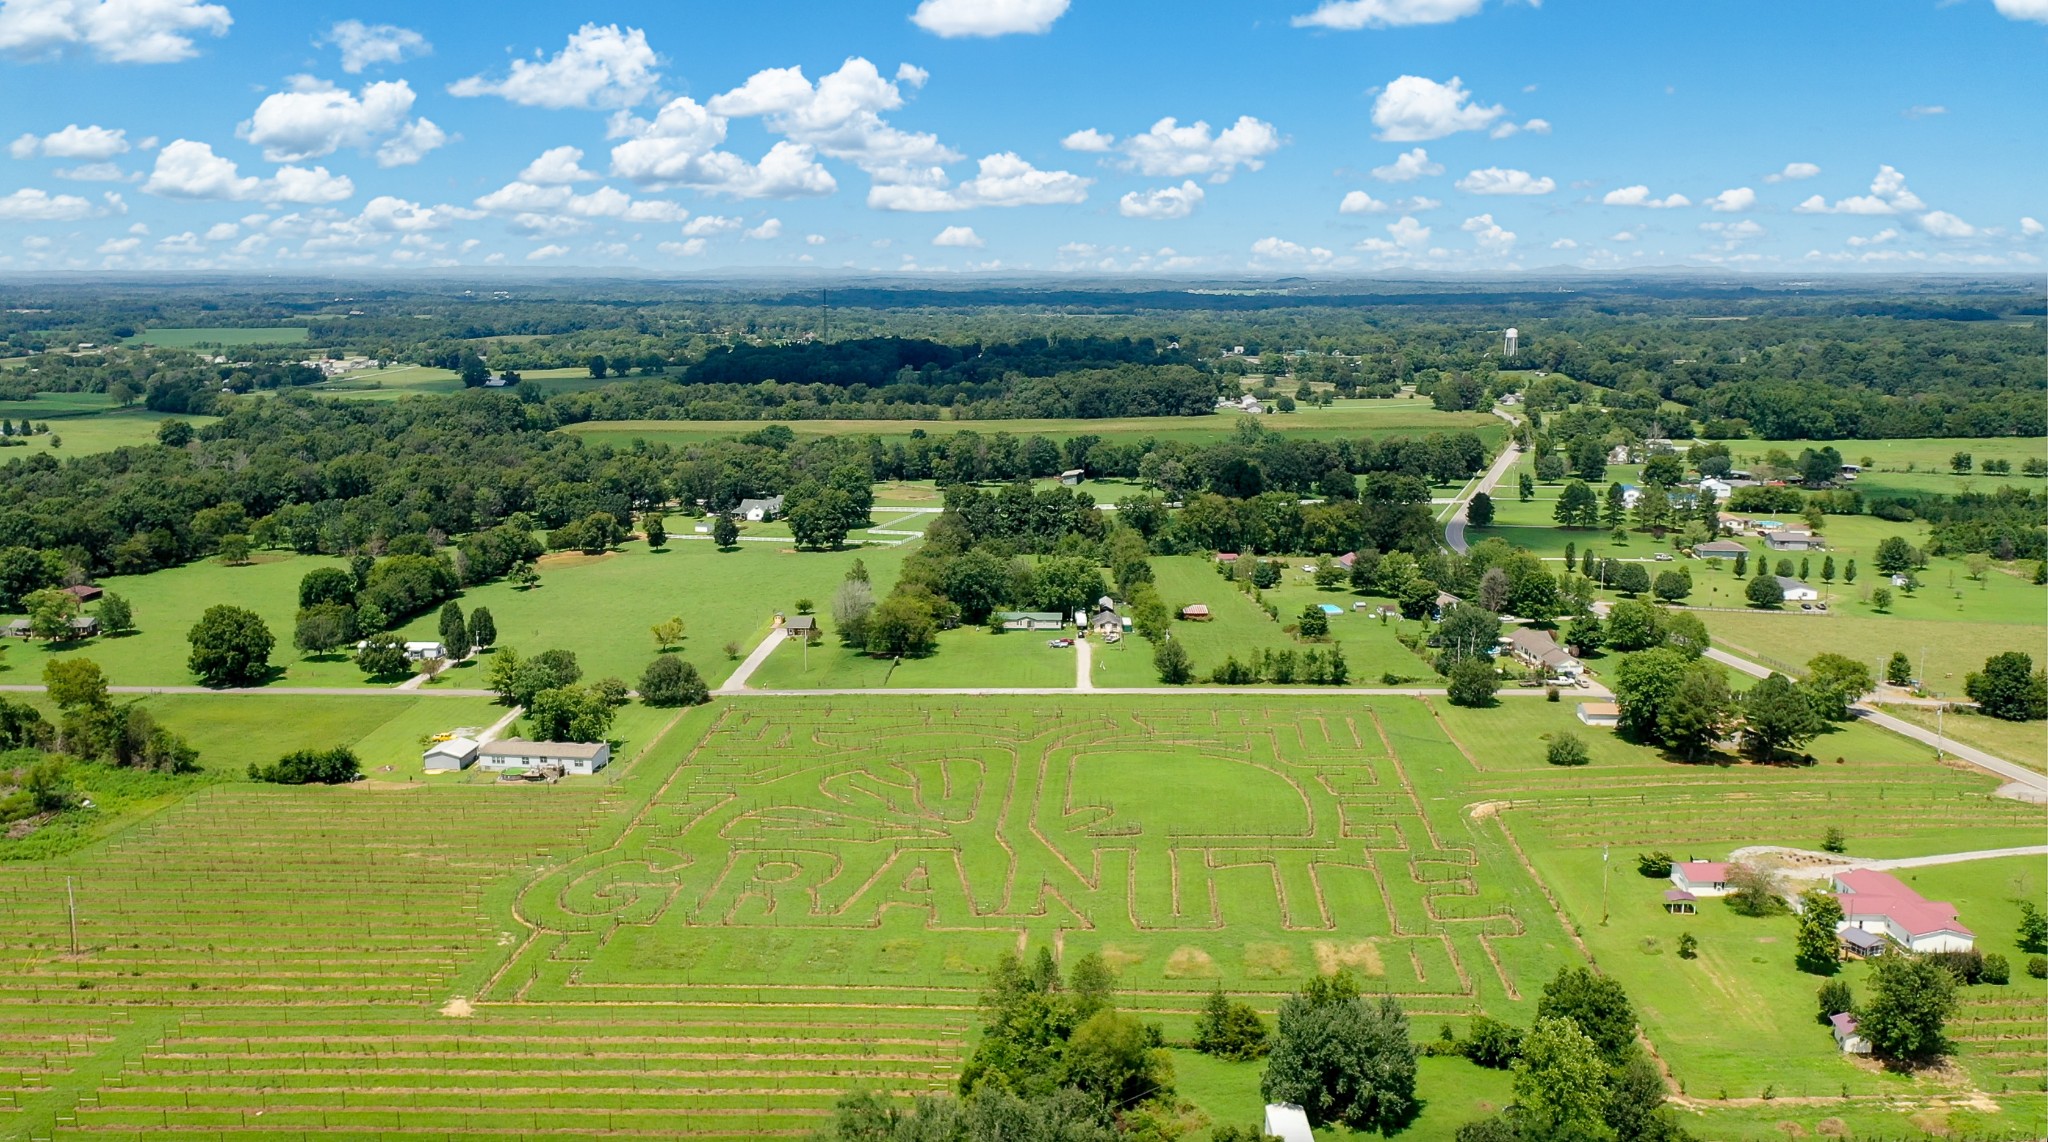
<point x="1261" y="136"/>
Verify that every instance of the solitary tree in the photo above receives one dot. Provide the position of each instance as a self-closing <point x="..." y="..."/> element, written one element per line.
<point x="1313" y="622"/>
<point x="483" y="629"/>
<point x="1911" y="998"/>
<point x="1818" y="949"/>
<point x="1479" y="512"/>
<point x="1899" y="670"/>
<point x="454" y="631"/>
<point x="670" y="681"/>
<point x="1567" y="749"/>
<point x="1776" y="717"/>
<point x="1561" y="1080"/>
<point x="668" y="633"/>
<point x="230" y="646"/>
<point x="1473" y="682"/>
<point x="724" y="532"/>
<point x="1171" y="660"/>
<point x="2009" y="687"/>
<point x="655" y="529"/>
<point x="1763" y="591"/>
<point x="1342" y="1058"/>
<point x="115" y="614"/>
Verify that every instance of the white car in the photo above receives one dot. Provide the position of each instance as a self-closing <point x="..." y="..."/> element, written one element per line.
<point x="1663" y="557"/>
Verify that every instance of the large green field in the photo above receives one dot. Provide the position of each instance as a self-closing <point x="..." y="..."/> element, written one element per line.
<point x="769" y="900"/>
<point x="84" y="423"/>
<point x="421" y="380"/>
<point x="223" y="336"/>
<point x="1345" y="418"/>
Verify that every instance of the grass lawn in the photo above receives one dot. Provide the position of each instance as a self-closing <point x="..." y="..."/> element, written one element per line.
<point x="415" y="380"/>
<point x="230" y="731"/>
<point x="2023" y="743"/>
<point x="223" y="336"/>
<point x="966" y="657"/>
<point x="1240" y="627"/>
<point x="1950" y="649"/>
<point x="1389" y="417"/>
<point x="1452" y="1092"/>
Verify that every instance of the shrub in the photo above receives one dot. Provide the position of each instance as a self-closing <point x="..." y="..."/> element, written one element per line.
<point x="1656" y="866"/>
<point x="670" y="681"/>
<point x="1834" y="841"/>
<point x="2037" y="967"/>
<point x="1967" y="967"/>
<point x="1229" y="1030"/>
<point x="1567" y="749"/>
<point x="1492" y="1043"/>
<point x="1996" y="970"/>
<point x="1834" y="998"/>
<point x="1688" y="946"/>
<point x="337" y="766"/>
<point x="1473" y="683"/>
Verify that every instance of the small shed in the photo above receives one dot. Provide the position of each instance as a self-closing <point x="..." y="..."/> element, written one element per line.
<point x="1679" y="902"/>
<point x="84" y="626"/>
<point x="1796" y="591"/>
<point x="1196" y="613"/>
<point x="19" y="628"/>
<point x="1288" y="1122"/>
<point x="1606" y="714"/>
<point x="801" y="627"/>
<point x="1846" y="1035"/>
<point x="449" y="756"/>
<point x="84" y="592"/>
<point x="1072" y="476"/>
<point x="1701" y="877"/>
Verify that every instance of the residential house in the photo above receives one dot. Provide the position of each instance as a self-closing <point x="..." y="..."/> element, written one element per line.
<point x="1796" y="591"/>
<point x="1603" y="714"/>
<point x="1619" y="454"/>
<point x="1444" y="601"/>
<point x="84" y="626"/>
<point x="19" y="628"/>
<point x="1196" y="613"/>
<point x="1701" y="877"/>
<point x="457" y="753"/>
<point x="1851" y="471"/>
<point x="760" y="511"/>
<point x="517" y="753"/>
<point x="422" y="651"/>
<point x="1846" y="1036"/>
<point x="1072" y="476"/>
<point x="1287" y="1122"/>
<point x="1030" y="620"/>
<point x="1881" y="903"/>
<point x="1533" y="647"/>
<point x="1631" y="496"/>
<point x="1720" y="488"/>
<point x="801" y="627"/>
<point x="1719" y="549"/>
<point x="1107" y="621"/>
<point x="1792" y="539"/>
<point x="1250" y="404"/>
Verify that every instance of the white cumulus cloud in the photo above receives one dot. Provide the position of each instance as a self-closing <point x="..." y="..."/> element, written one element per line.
<point x="187" y="169"/>
<point x="1404" y="236"/>
<point x="1170" y="150"/>
<point x="315" y="118"/>
<point x="1640" y="196"/>
<point x="766" y="231"/>
<point x="1733" y="200"/>
<point x="368" y="45"/>
<point x="312" y="186"/>
<point x="1089" y="140"/>
<point x="956" y="18"/>
<point x="93" y="144"/>
<point x="1793" y="172"/>
<point x="1415" y="109"/>
<point x="600" y="66"/>
<point x="1489" y="235"/>
<point x="1408" y="167"/>
<point x="1163" y="203"/>
<point x="32" y="205"/>
<point x="690" y="249"/>
<point x="1508" y="129"/>
<point x="961" y="237"/>
<point x="2035" y="10"/>
<point x="1350" y="15"/>
<point x="1359" y="202"/>
<point x="546" y="252"/>
<point x="116" y="31"/>
<point x="1004" y="180"/>
<point x="1293" y="253"/>
<point x="1942" y="224"/>
<point x="556" y="166"/>
<point x="2031" y="227"/>
<point x="1495" y="180"/>
<point x="1888" y="195"/>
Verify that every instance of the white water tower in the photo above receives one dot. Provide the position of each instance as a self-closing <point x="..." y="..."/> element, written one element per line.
<point x="1509" y="342"/>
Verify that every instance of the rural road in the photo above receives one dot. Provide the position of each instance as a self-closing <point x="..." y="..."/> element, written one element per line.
<point x="1832" y="863"/>
<point x="2022" y="784"/>
<point x="1084" y="664"/>
<point x="738" y="681"/>
<point x="1454" y="525"/>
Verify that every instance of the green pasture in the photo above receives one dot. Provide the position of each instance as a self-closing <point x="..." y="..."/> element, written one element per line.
<point x="1943" y="652"/>
<point x="77" y="430"/>
<point x="1396" y="417"/>
<point x="966" y="657"/>
<point x="226" y="337"/>
<point x="2024" y="743"/>
<point x="420" y="380"/>
<point x="231" y="731"/>
<point x="1240" y="627"/>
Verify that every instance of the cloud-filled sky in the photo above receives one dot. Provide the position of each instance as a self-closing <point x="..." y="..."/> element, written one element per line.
<point x="1262" y="136"/>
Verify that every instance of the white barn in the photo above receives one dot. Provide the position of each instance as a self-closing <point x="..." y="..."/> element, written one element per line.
<point x="456" y="753"/>
<point x="517" y="753"/>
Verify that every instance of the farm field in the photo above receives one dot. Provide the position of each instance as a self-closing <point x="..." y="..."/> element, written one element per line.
<point x="1354" y="418"/>
<point x="224" y="336"/>
<point x="632" y="588"/>
<point x="776" y="899"/>
<point x="79" y="428"/>
<point x="1950" y="649"/>
<point x="417" y="380"/>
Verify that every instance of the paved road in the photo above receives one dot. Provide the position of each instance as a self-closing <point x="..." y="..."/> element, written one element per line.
<point x="1454" y="526"/>
<point x="283" y="691"/>
<point x="2022" y="784"/>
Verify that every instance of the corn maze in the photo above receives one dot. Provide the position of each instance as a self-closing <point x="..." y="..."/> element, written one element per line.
<point x="783" y="899"/>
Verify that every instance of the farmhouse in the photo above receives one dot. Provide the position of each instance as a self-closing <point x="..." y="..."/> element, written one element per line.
<point x="84" y="626"/>
<point x="1107" y="622"/>
<point x="800" y="627"/>
<point x="517" y="753"/>
<point x="1534" y="647"/>
<point x="1287" y="1122"/>
<point x="1880" y="903"/>
<point x="1844" y="1026"/>
<point x="1796" y="591"/>
<point x="760" y="511"/>
<point x="1604" y="714"/>
<point x="455" y="754"/>
<point x="1196" y="613"/>
<point x="1720" y="549"/>
<point x="1030" y="620"/>
<point x="1701" y="877"/>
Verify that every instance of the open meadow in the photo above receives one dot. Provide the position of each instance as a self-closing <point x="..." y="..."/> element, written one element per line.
<point x="221" y="337"/>
<point x="767" y="901"/>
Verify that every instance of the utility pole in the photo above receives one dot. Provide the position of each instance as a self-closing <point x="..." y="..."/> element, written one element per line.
<point x="1939" y="728"/>
<point x="71" y="905"/>
<point x="1604" y="853"/>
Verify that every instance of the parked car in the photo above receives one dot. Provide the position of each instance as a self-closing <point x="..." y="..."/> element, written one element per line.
<point x="1663" y="557"/>
<point x="1059" y="643"/>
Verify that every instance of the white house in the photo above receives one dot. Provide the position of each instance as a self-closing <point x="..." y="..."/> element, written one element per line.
<point x="1701" y="877"/>
<point x="451" y="755"/>
<point x="1533" y="647"/>
<point x="1720" y="488"/>
<point x="1851" y="1043"/>
<point x="517" y="753"/>
<point x="1250" y="403"/>
<point x="1880" y="902"/>
<point x="1031" y="620"/>
<point x="417" y="651"/>
<point x="1796" y="591"/>
<point x="1288" y="1122"/>
<point x="760" y="511"/>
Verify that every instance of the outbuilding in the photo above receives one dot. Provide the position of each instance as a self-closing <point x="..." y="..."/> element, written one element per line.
<point x="1603" y="714"/>
<point x="1701" y="877"/>
<point x="454" y="754"/>
<point x="1072" y="476"/>
<point x="517" y="753"/>
<point x="1287" y="1122"/>
<point x="1719" y="549"/>
<point x="1196" y="613"/>
<point x="800" y="627"/>
<point x="1846" y="1037"/>
<point x="84" y="592"/>
<point x="1796" y="591"/>
<point x="1679" y="902"/>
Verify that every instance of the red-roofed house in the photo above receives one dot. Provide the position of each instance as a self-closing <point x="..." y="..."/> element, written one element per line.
<point x="1881" y="903"/>
<point x="1701" y="877"/>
